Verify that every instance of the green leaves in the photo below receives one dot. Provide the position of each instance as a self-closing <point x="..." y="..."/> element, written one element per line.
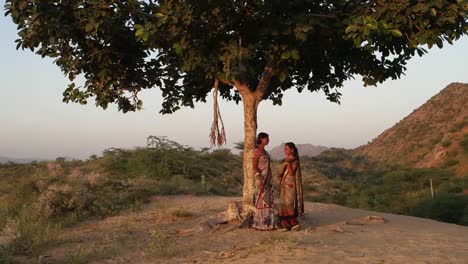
<point x="410" y="24"/>
<point x="139" y="30"/>
<point x="178" y="48"/>
<point x="73" y="94"/>
<point x="143" y="32"/>
<point x="123" y="47"/>
<point x="285" y="55"/>
<point x="372" y="26"/>
<point x="396" y="32"/>
<point x="282" y="76"/>
<point x="290" y="54"/>
<point x="351" y="28"/>
<point x="295" y="54"/>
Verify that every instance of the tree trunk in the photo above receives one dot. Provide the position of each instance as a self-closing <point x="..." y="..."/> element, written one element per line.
<point x="250" y="132"/>
<point x="251" y="100"/>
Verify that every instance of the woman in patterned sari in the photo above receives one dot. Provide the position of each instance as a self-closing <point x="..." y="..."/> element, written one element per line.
<point x="264" y="218"/>
<point x="291" y="204"/>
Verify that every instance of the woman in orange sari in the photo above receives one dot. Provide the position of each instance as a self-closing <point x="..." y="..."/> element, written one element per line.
<point x="264" y="218"/>
<point x="291" y="204"/>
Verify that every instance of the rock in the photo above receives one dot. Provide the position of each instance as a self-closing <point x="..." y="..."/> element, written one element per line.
<point x="371" y="219"/>
<point x="236" y="214"/>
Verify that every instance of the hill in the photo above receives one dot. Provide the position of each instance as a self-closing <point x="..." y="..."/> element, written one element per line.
<point x="434" y="135"/>
<point x="305" y="150"/>
<point x="4" y="159"/>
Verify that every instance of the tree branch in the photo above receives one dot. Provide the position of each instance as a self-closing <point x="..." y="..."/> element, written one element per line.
<point x="221" y="79"/>
<point x="265" y="79"/>
<point x="242" y="88"/>
<point x="323" y="16"/>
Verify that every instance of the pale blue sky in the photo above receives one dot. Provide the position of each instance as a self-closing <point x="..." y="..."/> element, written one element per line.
<point x="35" y="123"/>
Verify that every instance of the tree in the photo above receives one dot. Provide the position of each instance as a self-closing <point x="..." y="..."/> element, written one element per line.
<point x="239" y="145"/>
<point x="255" y="49"/>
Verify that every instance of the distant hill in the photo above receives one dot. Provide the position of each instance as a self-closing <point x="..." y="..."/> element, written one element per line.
<point x="16" y="160"/>
<point x="4" y="159"/>
<point x="309" y="150"/>
<point x="434" y="135"/>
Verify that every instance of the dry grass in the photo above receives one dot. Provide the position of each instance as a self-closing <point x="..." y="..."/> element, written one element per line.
<point x="181" y="213"/>
<point x="159" y="244"/>
<point x="139" y="237"/>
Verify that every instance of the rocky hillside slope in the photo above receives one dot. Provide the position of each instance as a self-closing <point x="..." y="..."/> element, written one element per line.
<point x="434" y="135"/>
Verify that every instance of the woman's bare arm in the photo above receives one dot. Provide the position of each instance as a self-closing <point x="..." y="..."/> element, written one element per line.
<point x="280" y="175"/>
<point x="292" y="166"/>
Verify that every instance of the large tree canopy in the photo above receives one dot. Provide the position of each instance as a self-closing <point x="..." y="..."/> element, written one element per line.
<point x="122" y="47"/>
<point x="253" y="49"/>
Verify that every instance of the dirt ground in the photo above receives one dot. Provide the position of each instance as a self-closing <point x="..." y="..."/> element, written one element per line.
<point x="169" y="230"/>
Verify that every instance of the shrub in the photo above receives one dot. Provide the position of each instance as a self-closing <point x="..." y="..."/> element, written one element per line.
<point x="180" y="213"/>
<point x="27" y="234"/>
<point x="168" y="162"/>
<point x="464" y="218"/>
<point x="158" y="243"/>
<point x="35" y="199"/>
<point x="449" y="208"/>
<point x="435" y="140"/>
<point x="450" y="162"/>
<point x="464" y="143"/>
<point x="446" y="143"/>
<point x="459" y="126"/>
<point x="5" y="258"/>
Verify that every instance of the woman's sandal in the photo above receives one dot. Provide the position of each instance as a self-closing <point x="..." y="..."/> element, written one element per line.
<point x="282" y="229"/>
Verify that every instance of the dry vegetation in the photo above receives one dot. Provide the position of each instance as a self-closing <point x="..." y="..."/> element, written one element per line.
<point x="96" y="210"/>
<point x="169" y="230"/>
<point x="38" y="200"/>
<point x="43" y="205"/>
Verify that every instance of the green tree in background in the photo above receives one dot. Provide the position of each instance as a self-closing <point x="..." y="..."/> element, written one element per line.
<point x="255" y="50"/>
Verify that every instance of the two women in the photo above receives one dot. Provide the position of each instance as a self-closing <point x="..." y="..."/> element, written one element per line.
<point x="291" y="203"/>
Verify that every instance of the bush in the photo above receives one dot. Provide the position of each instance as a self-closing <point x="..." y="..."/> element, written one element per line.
<point x="464" y="218"/>
<point x="464" y="143"/>
<point x="387" y="188"/>
<point x="159" y="244"/>
<point x="435" y="140"/>
<point x="449" y="162"/>
<point x="35" y="199"/>
<point x="27" y="234"/>
<point x="446" y="143"/>
<point x="459" y="126"/>
<point x="166" y="161"/>
<point x="5" y="258"/>
<point x="451" y="208"/>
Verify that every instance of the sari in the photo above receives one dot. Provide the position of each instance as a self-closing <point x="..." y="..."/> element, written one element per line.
<point x="264" y="218"/>
<point x="291" y="204"/>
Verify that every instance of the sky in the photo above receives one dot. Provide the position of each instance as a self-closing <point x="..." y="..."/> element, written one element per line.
<point x="35" y="123"/>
